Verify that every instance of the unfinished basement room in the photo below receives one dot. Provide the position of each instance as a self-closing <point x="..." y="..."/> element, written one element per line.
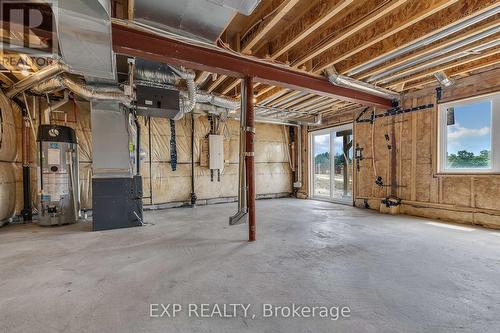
<point x="250" y="166"/>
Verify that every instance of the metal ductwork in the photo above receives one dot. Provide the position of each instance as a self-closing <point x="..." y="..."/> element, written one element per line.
<point x="345" y="81"/>
<point x="154" y="72"/>
<point x="84" y="34"/>
<point x="93" y="93"/>
<point x="40" y="76"/>
<point x="88" y="92"/>
<point x="443" y="79"/>
<point x="157" y="73"/>
<point x="223" y="102"/>
<point x="200" y="19"/>
<point x="245" y="7"/>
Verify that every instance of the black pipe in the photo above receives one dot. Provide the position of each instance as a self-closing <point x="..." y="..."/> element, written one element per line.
<point x="150" y="164"/>
<point x="193" y="194"/>
<point x="27" y="211"/>
<point x="138" y="146"/>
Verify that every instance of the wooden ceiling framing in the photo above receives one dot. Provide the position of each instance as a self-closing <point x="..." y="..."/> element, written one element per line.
<point x="317" y="34"/>
<point x="312" y="35"/>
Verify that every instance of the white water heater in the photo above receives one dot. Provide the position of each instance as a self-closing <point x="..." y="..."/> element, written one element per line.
<point x="58" y="184"/>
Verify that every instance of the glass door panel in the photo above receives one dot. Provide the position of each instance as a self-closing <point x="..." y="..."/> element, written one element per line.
<point x="332" y="172"/>
<point x="321" y="165"/>
<point x="342" y="169"/>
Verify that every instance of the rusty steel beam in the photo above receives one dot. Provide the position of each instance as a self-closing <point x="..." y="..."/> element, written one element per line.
<point x="132" y="41"/>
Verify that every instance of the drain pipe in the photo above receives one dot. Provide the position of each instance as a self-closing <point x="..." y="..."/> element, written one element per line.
<point x="27" y="211"/>
<point x="298" y="182"/>
<point x="241" y="215"/>
<point x="193" y="194"/>
<point x="138" y="146"/>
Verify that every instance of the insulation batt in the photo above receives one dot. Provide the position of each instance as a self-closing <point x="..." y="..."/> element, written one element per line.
<point x="274" y="175"/>
<point x="8" y="154"/>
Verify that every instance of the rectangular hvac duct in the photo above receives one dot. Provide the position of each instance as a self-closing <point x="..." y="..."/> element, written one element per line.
<point x="201" y="19"/>
<point x="245" y="7"/>
<point x="110" y="140"/>
<point x="84" y="34"/>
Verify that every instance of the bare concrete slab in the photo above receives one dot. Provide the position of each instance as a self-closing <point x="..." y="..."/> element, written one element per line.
<point x="396" y="274"/>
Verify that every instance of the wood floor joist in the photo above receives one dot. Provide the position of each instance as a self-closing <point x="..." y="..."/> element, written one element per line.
<point x="134" y="41"/>
<point x="284" y="7"/>
<point x="337" y="39"/>
<point x="400" y="19"/>
<point x="468" y="49"/>
<point x="493" y="54"/>
<point x="317" y="16"/>
<point x="434" y="47"/>
<point x="438" y="22"/>
<point x="248" y="44"/>
<point x="457" y="70"/>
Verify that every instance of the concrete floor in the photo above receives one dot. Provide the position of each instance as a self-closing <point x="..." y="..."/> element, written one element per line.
<point x="397" y="274"/>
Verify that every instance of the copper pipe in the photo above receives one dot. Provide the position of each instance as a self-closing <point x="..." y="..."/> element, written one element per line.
<point x="249" y="157"/>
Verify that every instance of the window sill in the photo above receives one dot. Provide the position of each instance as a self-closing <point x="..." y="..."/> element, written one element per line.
<point x="472" y="173"/>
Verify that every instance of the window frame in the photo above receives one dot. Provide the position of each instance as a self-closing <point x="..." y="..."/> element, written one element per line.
<point x="495" y="135"/>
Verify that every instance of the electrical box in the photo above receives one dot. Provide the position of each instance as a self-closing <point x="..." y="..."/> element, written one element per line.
<point x="215" y="152"/>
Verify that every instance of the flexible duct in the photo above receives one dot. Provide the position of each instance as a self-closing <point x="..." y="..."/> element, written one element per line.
<point x="44" y="82"/>
<point x="83" y="90"/>
<point x="345" y="81"/>
<point x="157" y="75"/>
<point x="94" y="93"/>
<point x="40" y="76"/>
<point x="47" y="87"/>
<point x="190" y="99"/>
<point x="223" y="102"/>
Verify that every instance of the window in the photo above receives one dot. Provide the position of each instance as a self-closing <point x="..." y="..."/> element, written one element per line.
<point x="469" y="135"/>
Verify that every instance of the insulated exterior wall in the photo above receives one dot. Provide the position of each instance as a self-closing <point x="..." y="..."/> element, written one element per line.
<point x="8" y="168"/>
<point x="471" y="199"/>
<point x="274" y="175"/>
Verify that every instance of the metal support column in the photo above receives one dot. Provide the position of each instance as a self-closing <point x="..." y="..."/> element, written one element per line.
<point x="249" y="158"/>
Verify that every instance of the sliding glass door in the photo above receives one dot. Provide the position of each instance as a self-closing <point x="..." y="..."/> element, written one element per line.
<point x="331" y="167"/>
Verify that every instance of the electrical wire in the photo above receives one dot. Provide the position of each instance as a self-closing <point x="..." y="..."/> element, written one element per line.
<point x="373" y="146"/>
<point x="259" y="22"/>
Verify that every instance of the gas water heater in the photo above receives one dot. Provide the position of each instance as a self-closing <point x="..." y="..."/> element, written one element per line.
<point x="58" y="184"/>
